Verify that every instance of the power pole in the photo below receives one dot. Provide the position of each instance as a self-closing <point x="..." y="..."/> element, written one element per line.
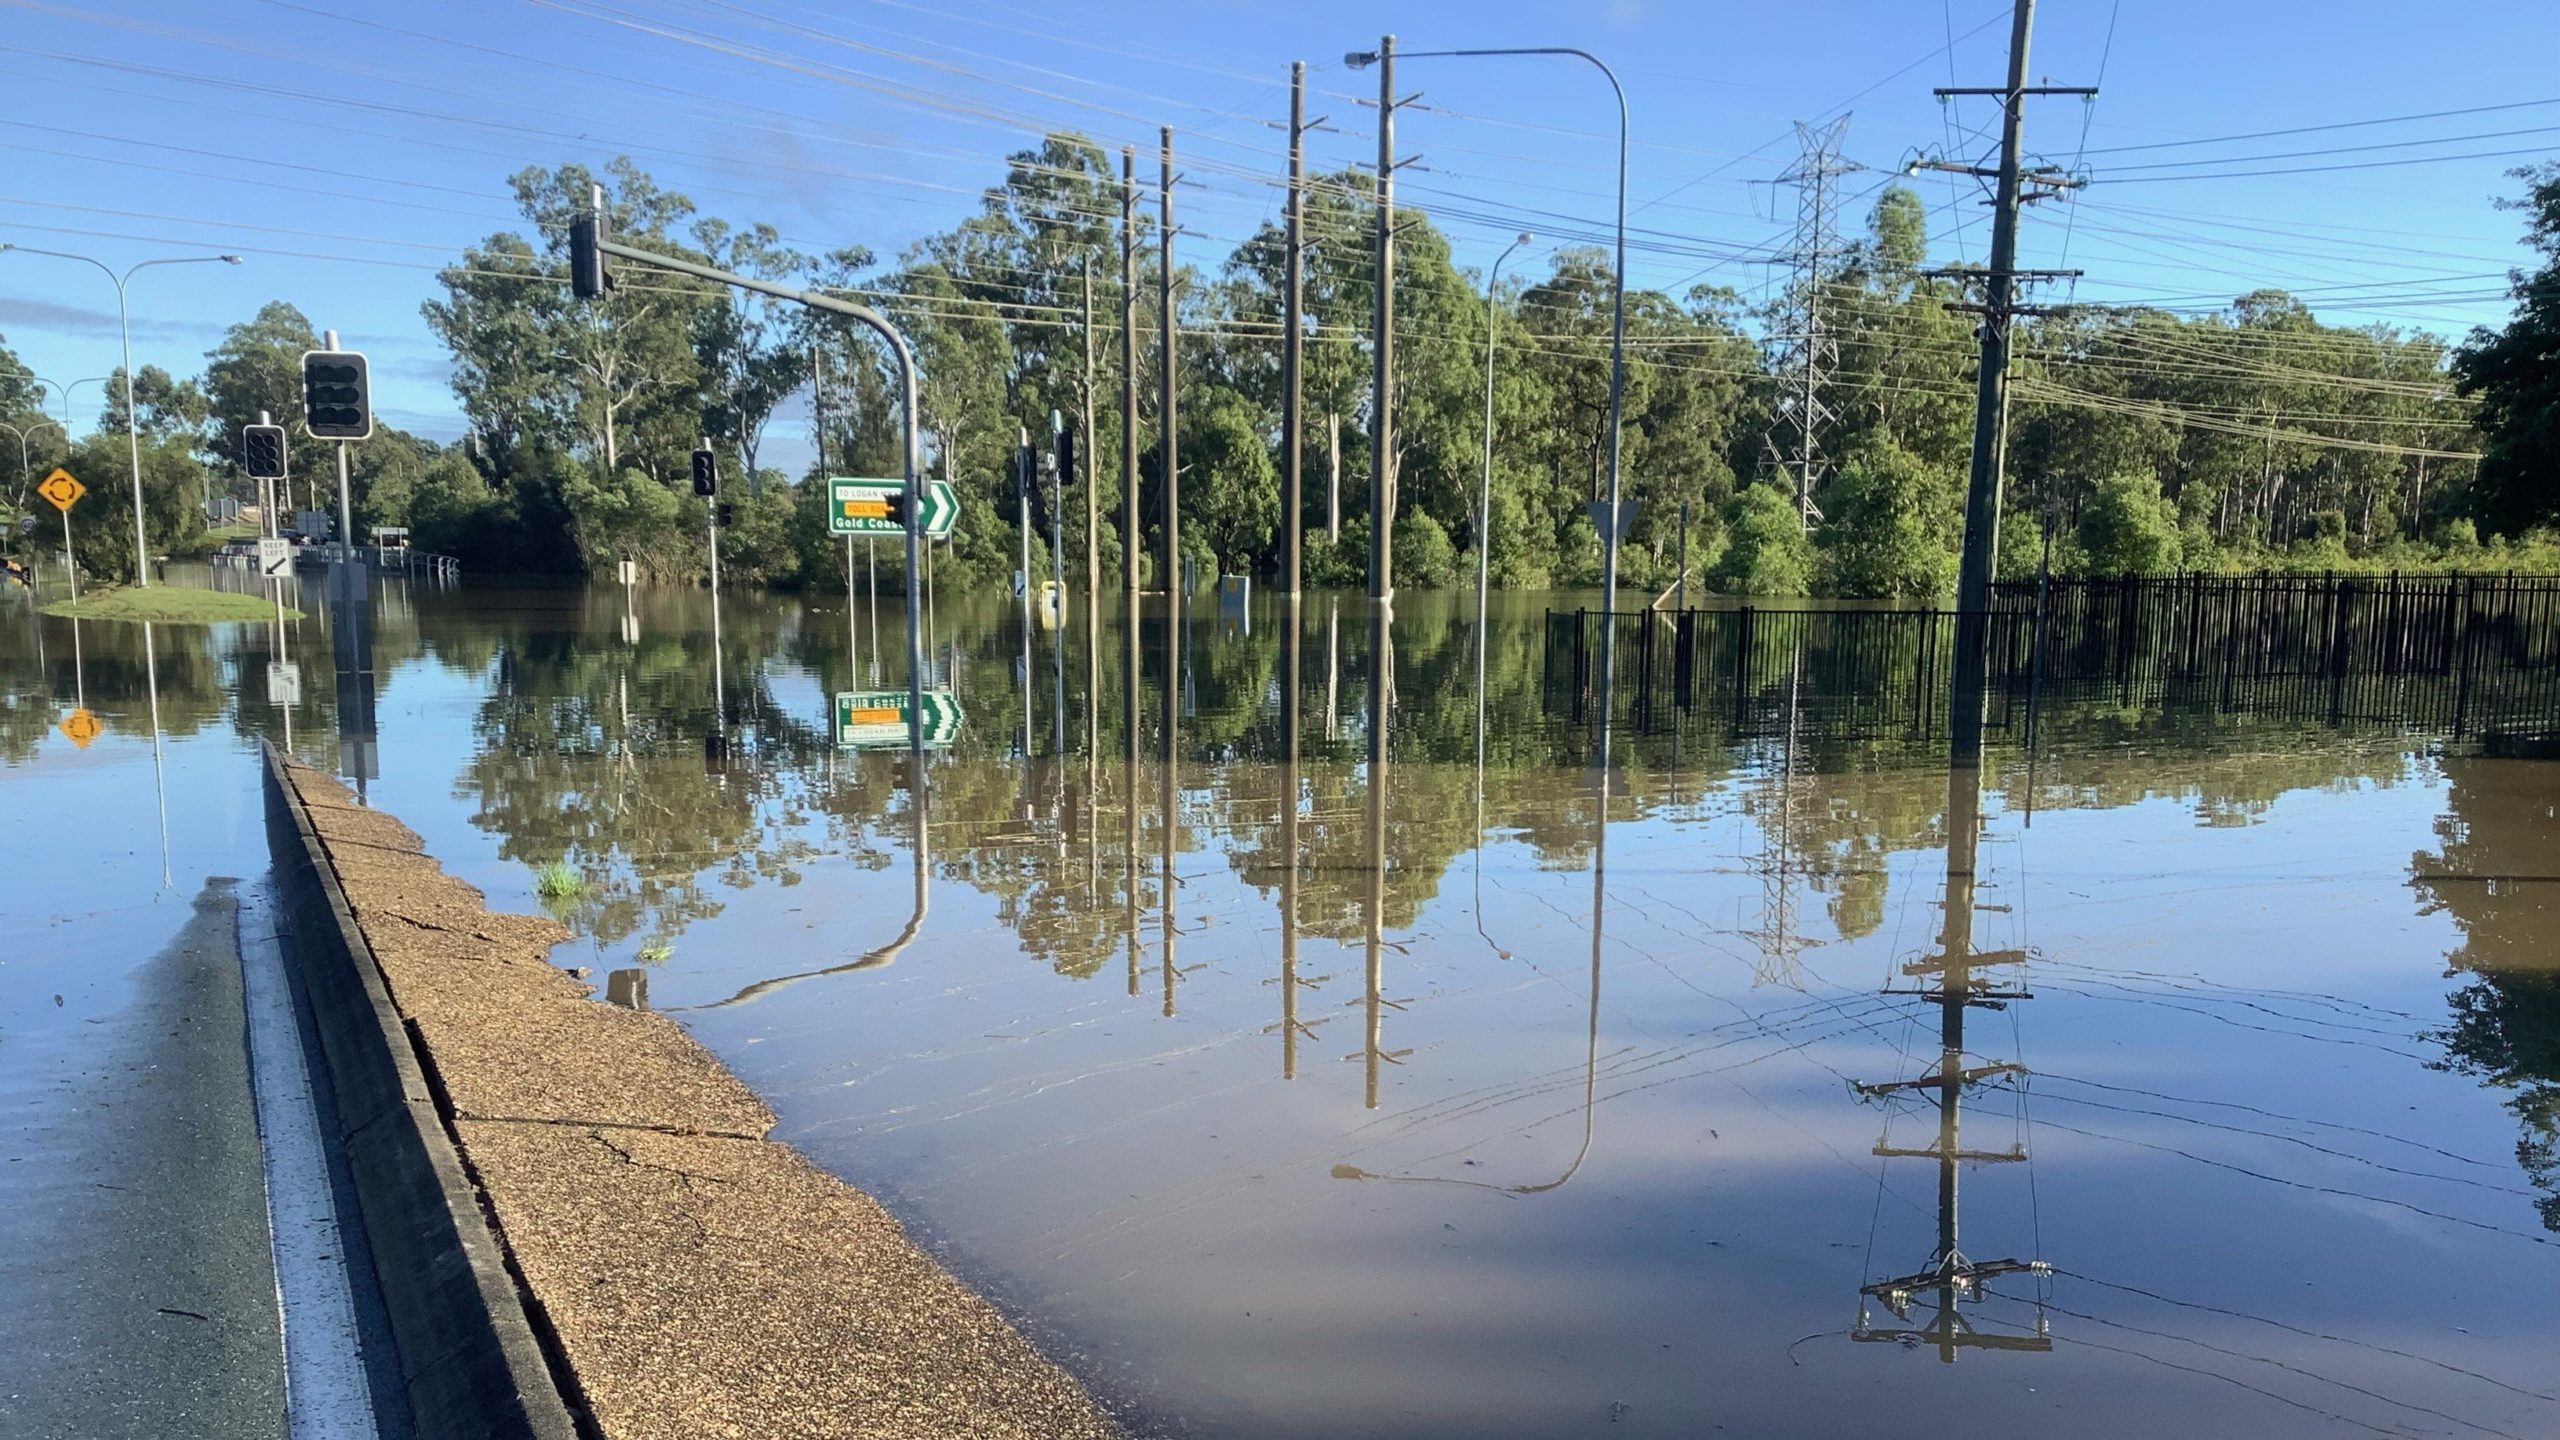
<point x="1293" y="513"/>
<point x="1129" y="377"/>
<point x="1382" y="388"/>
<point x="1169" y="465"/>
<point x="1085" y="458"/>
<point x="1999" y="309"/>
<point x="1807" y="350"/>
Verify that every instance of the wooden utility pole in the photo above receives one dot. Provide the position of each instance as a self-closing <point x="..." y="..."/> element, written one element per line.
<point x="1169" y="468"/>
<point x="1086" y="458"/>
<point x="1382" y="389"/>
<point x="1129" y="546"/>
<point x="1293" y="514"/>
<point x="1999" y="310"/>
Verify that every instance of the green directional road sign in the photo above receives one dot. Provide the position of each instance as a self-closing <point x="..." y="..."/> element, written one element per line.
<point x="863" y="507"/>
<point x="877" y="719"/>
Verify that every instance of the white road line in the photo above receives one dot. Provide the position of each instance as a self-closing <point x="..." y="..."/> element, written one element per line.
<point x="326" y="1394"/>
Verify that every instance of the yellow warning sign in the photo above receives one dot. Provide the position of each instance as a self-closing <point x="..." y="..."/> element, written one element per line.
<point x="79" y="727"/>
<point x="64" y="492"/>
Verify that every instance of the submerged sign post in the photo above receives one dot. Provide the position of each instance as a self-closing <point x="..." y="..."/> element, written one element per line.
<point x="877" y="719"/>
<point x="872" y="507"/>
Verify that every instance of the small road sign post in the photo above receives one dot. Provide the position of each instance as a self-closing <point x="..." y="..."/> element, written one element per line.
<point x="877" y="719"/>
<point x="870" y="507"/>
<point x="62" y="491"/>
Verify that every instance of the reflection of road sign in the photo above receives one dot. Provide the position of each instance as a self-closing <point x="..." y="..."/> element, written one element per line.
<point x="61" y="489"/>
<point x="275" y="556"/>
<point x="877" y="719"/>
<point x="80" y="727"/>
<point x="862" y="507"/>
<point x="284" y="682"/>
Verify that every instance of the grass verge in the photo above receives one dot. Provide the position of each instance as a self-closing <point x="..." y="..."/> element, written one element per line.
<point x="169" y="605"/>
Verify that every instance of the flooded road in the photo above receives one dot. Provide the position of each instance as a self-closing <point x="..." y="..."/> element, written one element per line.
<point x="1490" y="1071"/>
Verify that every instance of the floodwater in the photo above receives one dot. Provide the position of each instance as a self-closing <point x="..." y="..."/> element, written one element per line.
<point x="1567" y="1090"/>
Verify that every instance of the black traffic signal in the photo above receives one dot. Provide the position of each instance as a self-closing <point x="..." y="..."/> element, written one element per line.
<point x="728" y="515"/>
<point x="706" y="474"/>
<point x="262" y="451"/>
<point x="337" y="399"/>
<point x="1066" y="458"/>
<point x="588" y="278"/>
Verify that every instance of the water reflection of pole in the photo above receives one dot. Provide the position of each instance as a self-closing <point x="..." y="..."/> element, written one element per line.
<point x="159" y="763"/>
<point x="1129" y="767"/>
<point x="1374" y="828"/>
<point x="1591" y="1023"/>
<point x="1948" y="981"/>
<point x="920" y="853"/>
<point x="1172" y="779"/>
<point x="1288" y="798"/>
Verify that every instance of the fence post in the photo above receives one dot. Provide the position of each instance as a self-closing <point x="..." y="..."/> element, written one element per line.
<point x="1741" y="667"/>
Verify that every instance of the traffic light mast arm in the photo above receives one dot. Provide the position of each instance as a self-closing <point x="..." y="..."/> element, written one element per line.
<point x="879" y="325"/>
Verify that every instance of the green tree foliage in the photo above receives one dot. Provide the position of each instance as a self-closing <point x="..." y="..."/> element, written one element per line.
<point x="2127" y="528"/>
<point x="1769" y="553"/>
<point x="2512" y="374"/>
<point x="2250" y="436"/>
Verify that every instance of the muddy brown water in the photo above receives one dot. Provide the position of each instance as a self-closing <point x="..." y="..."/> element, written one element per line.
<point x="1538" y="1097"/>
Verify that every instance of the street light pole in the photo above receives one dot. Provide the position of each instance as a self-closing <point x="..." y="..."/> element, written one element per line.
<point x="132" y="420"/>
<point x="1618" y="278"/>
<point x="1484" y="499"/>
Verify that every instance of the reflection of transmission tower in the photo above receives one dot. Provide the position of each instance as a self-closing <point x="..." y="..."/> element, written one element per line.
<point x="1947" y="979"/>
<point x="1780" y="940"/>
<point x="1804" y="348"/>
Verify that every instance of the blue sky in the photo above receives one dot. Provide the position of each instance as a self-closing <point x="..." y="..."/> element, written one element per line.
<point x="346" y="148"/>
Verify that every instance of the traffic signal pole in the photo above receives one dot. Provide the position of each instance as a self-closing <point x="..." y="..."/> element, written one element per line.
<point x="589" y="246"/>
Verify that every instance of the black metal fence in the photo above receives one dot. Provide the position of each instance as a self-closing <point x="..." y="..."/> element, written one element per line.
<point x="2459" y="655"/>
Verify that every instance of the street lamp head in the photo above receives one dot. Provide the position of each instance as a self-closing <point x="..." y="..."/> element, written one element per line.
<point x="230" y="259"/>
<point x="1357" y="60"/>
<point x="1526" y="238"/>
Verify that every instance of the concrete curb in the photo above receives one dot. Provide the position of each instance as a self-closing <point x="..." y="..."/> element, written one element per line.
<point x="469" y="1356"/>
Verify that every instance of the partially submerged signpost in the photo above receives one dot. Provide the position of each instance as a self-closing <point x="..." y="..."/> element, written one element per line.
<point x="877" y="719"/>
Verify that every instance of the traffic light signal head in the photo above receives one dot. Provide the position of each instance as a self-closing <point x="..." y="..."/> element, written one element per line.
<point x="337" y="398"/>
<point x="706" y="474"/>
<point x="588" y="278"/>
<point x="1066" y="457"/>
<point x="262" y="451"/>
<point x="728" y="515"/>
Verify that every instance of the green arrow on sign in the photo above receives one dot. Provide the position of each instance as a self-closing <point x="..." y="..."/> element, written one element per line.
<point x="858" y="506"/>
<point x="877" y="719"/>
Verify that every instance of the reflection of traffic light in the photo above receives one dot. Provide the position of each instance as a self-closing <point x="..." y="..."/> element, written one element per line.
<point x="262" y="451"/>
<point x="706" y="474"/>
<point x="337" y="401"/>
<point x="728" y="514"/>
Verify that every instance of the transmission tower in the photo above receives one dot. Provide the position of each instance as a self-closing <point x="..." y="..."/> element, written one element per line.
<point x="1804" y="348"/>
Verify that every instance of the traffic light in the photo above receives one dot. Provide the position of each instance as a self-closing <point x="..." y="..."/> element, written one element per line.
<point x="1066" y="458"/>
<point x="890" y="505"/>
<point x="262" y="451"/>
<point x="588" y="278"/>
<point x="728" y="515"/>
<point x="706" y="474"/>
<point x="337" y="399"/>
